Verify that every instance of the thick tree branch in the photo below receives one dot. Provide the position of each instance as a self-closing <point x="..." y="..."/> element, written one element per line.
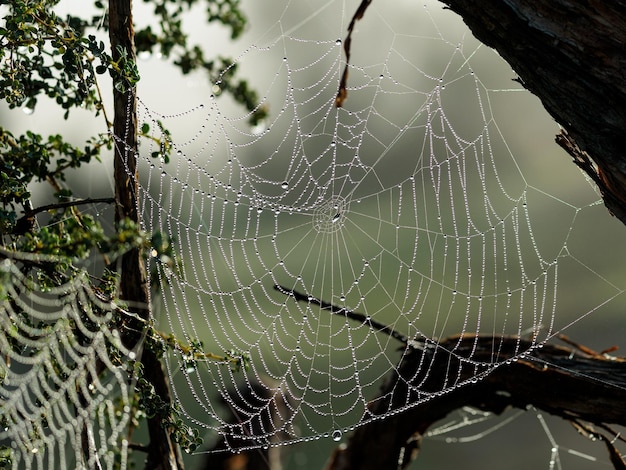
<point x="570" y="383"/>
<point x="572" y="55"/>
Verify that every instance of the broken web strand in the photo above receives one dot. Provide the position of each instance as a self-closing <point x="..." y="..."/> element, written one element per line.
<point x="468" y="426"/>
<point x="445" y="243"/>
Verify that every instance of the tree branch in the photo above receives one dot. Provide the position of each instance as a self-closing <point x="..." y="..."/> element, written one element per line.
<point x="359" y="317"/>
<point x="565" y="382"/>
<point x="163" y="453"/>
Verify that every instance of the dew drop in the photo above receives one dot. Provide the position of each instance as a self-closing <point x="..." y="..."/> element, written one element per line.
<point x="284" y="185"/>
<point x="28" y="110"/>
<point x="338" y="41"/>
<point x="337" y="435"/>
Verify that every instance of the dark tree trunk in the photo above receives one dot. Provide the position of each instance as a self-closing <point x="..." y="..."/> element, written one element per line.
<point x="162" y="452"/>
<point x="572" y="55"/>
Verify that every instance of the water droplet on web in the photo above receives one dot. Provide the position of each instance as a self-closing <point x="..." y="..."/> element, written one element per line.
<point x="284" y="185"/>
<point x="338" y="41"/>
<point x="337" y="435"/>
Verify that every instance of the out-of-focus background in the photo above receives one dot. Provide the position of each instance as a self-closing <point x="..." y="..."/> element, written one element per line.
<point x="591" y="280"/>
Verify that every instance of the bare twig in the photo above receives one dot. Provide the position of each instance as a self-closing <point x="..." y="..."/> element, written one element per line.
<point x="342" y="93"/>
<point x="359" y="317"/>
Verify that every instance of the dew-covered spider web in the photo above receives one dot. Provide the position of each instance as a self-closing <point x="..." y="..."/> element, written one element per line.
<point x="61" y="378"/>
<point x="328" y="244"/>
<point x="325" y="250"/>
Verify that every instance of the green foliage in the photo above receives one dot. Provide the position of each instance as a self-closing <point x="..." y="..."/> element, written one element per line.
<point x="171" y="41"/>
<point x="6" y="459"/>
<point x="44" y="57"/>
<point x="151" y="405"/>
<point x="41" y="54"/>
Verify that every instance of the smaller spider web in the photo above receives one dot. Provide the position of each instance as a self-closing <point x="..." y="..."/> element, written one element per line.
<point x="62" y="390"/>
<point x="408" y="220"/>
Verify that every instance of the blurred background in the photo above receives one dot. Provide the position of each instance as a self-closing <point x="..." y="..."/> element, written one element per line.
<point x="412" y="46"/>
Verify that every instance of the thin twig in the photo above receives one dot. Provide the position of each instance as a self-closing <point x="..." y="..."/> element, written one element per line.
<point x="62" y="205"/>
<point x="343" y="311"/>
<point x="342" y="93"/>
<point x="587" y="430"/>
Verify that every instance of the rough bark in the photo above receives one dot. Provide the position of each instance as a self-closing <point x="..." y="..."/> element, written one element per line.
<point x="577" y="385"/>
<point x="134" y="287"/>
<point x="572" y="55"/>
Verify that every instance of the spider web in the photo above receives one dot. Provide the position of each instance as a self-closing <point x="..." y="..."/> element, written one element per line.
<point x="328" y="243"/>
<point x="60" y="381"/>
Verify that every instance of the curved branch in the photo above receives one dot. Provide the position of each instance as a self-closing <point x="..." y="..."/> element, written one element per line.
<point x="565" y="382"/>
